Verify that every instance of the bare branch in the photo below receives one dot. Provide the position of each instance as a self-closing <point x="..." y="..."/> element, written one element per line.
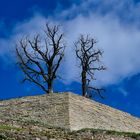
<point x="89" y="57"/>
<point x="97" y="91"/>
<point x="40" y="59"/>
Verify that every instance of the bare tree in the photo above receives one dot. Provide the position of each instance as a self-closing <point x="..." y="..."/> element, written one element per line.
<point x="89" y="58"/>
<point x="39" y="58"/>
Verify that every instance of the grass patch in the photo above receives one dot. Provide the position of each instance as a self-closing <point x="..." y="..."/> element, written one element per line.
<point x="111" y="132"/>
<point x="7" y="127"/>
<point x="4" y="137"/>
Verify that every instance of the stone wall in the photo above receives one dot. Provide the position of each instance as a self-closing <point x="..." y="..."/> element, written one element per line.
<point x="86" y="113"/>
<point x="66" y="110"/>
<point x="46" y="109"/>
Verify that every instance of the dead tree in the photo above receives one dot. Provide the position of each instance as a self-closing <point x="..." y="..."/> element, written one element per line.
<point x="39" y="58"/>
<point x="89" y="58"/>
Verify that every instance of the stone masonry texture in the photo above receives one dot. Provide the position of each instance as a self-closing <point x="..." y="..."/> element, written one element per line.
<point x="86" y="113"/>
<point x="66" y="110"/>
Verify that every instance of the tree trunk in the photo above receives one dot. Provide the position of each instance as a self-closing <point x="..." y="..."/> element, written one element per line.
<point x="83" y="83"/>
<point x="50" y="80"/>
<point x="50" y="87"/>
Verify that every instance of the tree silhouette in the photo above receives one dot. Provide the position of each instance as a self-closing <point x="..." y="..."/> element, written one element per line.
<point x="89" y="58"/>
<point x="39" y="59"/>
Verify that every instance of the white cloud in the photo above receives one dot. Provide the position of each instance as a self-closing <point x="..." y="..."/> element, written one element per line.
<point x="119" y="40"/>
<point x="123" y="92"/>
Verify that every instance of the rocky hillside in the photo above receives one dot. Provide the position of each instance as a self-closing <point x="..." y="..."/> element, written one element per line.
<point x="36" y="131"/>
<point x="29" y="118"/>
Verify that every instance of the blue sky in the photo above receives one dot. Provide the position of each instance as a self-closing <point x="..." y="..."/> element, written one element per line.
<point x="114" y="23"/>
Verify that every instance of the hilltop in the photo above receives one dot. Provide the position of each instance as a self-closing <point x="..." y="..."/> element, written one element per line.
<point x="64" y="116"/>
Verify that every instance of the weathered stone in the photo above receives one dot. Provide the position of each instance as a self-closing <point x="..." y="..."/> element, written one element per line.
<point x="86" y="113"/>
<point x="65" y="110"/>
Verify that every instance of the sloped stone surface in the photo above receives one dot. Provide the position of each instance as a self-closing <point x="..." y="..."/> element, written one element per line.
<point x="65" y="110"/>
<point x="86" y="113"/>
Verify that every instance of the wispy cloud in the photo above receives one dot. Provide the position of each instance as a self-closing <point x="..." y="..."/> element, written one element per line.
<point x="114" y="23"/>
<point x="123" y="92"/>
